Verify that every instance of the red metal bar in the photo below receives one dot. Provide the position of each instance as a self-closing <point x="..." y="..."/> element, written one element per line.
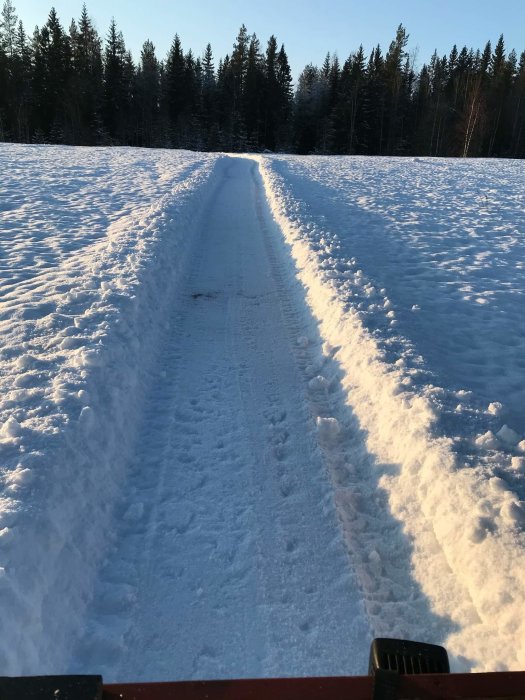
<point x="433" y="686"/>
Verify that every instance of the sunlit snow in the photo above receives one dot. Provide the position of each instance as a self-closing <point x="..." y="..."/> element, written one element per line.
<point x="256" y="411"/>
<point x="414" y="268"/>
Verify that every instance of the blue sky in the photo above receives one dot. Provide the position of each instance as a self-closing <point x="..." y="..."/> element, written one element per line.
<point x="308" y="28"/>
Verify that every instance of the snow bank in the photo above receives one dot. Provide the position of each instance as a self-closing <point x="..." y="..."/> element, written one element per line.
<point x="466" y="521"/>
<point x="93" y="242"/>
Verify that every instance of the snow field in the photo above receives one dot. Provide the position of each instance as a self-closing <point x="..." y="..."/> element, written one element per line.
<point x="193" y="392"/>
<point x="93" y="240"/>
<point x="370" y="264"/>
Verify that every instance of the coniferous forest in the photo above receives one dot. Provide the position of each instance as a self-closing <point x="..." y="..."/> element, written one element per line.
<point x="74" y="87"/>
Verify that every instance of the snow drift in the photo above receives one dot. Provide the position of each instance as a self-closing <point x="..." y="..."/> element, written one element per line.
<point x="93" y="241"/>
<point x="458" y="498"/>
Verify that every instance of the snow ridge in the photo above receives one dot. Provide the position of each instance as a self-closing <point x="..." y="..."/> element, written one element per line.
<point x="466" y="530"/>
<point x="78" y="331"/>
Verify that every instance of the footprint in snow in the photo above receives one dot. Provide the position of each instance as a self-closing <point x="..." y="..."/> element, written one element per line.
<point x="329" y="429"/>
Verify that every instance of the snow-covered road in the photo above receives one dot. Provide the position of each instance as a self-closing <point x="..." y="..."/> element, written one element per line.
<point x="229" y="561"/>
<point x="233" y="439"/>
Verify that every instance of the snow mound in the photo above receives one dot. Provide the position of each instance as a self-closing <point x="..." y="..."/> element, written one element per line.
<point x="375" y="240"/>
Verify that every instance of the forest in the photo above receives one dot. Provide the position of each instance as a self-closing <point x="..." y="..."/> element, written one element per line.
<point x="74" y="87"/>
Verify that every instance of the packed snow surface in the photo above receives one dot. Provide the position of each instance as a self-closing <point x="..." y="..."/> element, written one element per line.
<point x="256" y="411"/>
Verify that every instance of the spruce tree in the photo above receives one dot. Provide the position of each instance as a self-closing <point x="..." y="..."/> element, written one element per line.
<point x="238" y="65"/>
<point x="51" y="72"/>
<point x="61" y="87"/>
<point x="517" y="113"/>
<point x="306" y="110"/>
<point x="285" y="105"/>
<point x="20" y="87"/>
<point x="148" y="96"/>
<point x="376" y="88"/>
<point x="438" y="105"/>
<point x="253" y="94"/>
<point x="114" y="83"/>
<point x="173" y="92"/>
<point x="422" y="108"/>
<point x="87" y="86"/>
<point x="271" y="97"/>
<point x="225" y="100"/>
<point x="498" y="90"/>
<point x="209" y="102"/>
<point x="349" y="121"/>
<point x="191" y="123"/>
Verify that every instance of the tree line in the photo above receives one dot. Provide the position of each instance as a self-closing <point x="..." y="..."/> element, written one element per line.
<point x="73" y="87"/>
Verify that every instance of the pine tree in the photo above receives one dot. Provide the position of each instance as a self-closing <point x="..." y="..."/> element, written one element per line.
<point x="9" y="73"/>
<point x="8" y="25"/>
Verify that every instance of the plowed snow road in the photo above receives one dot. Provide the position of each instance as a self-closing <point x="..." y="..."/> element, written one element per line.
<point x="280" y="395"/>
<point x="229" y="560"/>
